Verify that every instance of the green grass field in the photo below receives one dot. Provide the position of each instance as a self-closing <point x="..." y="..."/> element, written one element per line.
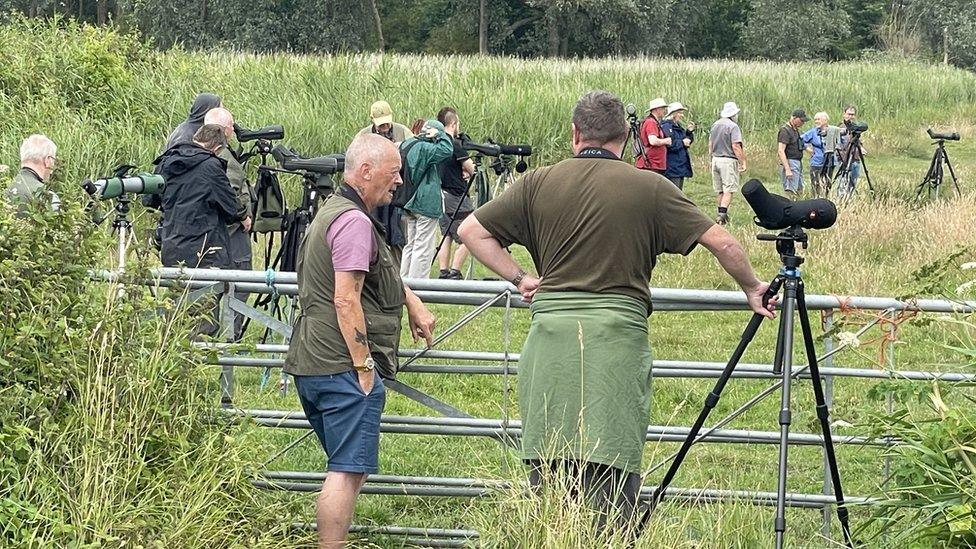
<point x="106" y="101"/>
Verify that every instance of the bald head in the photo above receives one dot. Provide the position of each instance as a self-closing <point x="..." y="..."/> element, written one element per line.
<point x="373" y="169"/>
<point x="221" y="117"/>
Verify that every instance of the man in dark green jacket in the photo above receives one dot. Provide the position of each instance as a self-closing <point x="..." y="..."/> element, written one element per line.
<point x="37" y="159"/>
<point x="424" y="155"/>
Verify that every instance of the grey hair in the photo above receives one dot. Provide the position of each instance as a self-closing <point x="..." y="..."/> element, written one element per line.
<point x="37" y="147"/>
<point x="599" y="117"/>
<point x="365" y="148"/>
<point x="822" y="115"/>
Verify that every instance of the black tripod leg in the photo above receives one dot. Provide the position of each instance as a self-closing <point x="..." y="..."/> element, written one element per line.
<point x="929" y="177"/>
<point x="952" y="172"/>
<point x="780" y="349"/>
<point x="785" y="342"/>
<point x="710" y="401"/>
<point x="823" y="413"/>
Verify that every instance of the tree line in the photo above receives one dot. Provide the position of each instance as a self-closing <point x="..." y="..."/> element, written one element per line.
<point x="765" y="29"/>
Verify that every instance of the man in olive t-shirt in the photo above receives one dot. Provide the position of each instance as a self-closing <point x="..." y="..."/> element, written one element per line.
<point x="594" y="226"/>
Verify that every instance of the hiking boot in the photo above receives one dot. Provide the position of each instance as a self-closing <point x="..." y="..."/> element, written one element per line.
<point x="722" y="219"/>
<point x="445" y="274"/>
<point x="455" y="274"/>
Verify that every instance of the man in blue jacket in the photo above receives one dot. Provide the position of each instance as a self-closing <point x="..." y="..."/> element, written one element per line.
<point x="679" y="161"/>
<point x="423" y="156"/>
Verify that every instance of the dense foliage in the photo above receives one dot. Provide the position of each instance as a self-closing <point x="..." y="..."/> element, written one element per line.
<point x="770" y="29"/>
<point x="108" y="435"/>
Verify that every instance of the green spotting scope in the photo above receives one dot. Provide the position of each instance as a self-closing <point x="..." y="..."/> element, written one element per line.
<point x="124" y="182"/>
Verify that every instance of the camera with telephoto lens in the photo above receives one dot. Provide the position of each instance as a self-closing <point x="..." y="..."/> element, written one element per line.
<point x="124" y="182"/>
<point x="775" y="212"/>
<point x="939" y="136"/>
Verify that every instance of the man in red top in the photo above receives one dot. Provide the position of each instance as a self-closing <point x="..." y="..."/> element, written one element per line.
<point x="655" y="157"/>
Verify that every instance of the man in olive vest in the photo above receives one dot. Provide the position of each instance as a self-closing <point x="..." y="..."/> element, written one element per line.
<point x="37" y="159"/>
<point x="345" y="339"/>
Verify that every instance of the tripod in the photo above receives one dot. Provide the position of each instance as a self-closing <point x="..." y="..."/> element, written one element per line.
<point x="934" y="176"/>
<point x="794" y="301"/>
<point x="844" y="170"/>
<point x="502" y="166"/>
<point x="638" y="147"/>
<point x="122" y="226"/>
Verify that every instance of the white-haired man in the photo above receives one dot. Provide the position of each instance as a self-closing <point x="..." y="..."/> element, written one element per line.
<point x="239" y="245"/>
<point x="345" y="339"/>
<point x="728" y="158"/>
<point x="38" y="156"/>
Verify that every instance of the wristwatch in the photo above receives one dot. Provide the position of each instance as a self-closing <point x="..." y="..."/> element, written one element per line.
<point x="366" y="366"/>
<point x="518" y="278"/>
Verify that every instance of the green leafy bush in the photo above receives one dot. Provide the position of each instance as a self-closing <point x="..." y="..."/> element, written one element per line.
<point x="108" y="429"/>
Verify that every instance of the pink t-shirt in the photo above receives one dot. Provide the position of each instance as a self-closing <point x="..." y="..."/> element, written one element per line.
<point x="351" y="239"/>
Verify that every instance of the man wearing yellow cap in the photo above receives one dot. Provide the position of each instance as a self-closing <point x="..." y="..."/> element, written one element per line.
<point x="383" y="124"/>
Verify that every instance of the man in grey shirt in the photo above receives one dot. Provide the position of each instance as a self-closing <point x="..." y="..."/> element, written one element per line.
<point x="728" y="158"/>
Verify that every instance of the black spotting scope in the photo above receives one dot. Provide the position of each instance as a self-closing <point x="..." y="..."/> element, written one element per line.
<point x="323" y="165"/>
<point x="775" y="212"/>
<point x="951" y="136"/>
<point x="271" y="133"/>
<point x="490" y="148"/>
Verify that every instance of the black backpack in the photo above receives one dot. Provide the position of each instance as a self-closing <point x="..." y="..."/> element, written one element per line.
<point x="270" y="209"/>
<point x="404" y="193"/>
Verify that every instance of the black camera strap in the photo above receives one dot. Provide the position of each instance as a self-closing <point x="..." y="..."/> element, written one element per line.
<point x="596" y="152"/>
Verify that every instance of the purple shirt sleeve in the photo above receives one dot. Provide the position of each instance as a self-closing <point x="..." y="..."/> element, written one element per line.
<point x="351" y="239"/>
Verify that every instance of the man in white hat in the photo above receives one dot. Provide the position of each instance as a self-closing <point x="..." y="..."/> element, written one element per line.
<point x="728" y="158"/>
<point x="383" y="124"/>
<point x="679" y="161"/>
<point x="655" y="157"/>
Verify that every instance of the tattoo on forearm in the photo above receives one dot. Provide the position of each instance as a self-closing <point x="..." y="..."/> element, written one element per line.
<point x="361" y="338"/>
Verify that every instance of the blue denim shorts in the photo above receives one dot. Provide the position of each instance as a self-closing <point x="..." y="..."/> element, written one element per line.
<point x="346" y="421"/>
<point x="794" y="183"/>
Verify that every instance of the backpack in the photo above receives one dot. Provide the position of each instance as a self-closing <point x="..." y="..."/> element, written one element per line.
<point x="404" y="193"/>
<point x="270" y="209"/>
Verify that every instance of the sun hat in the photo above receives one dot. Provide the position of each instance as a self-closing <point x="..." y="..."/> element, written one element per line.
<point x="657" y="104"/>
<point x="729" y="110"/>
<point x="675" y="107"/>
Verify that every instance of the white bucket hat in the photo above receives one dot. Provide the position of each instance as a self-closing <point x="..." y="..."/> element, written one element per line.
<point x="675" y="107"/>
<point x="657" y="104"/>
<point x="729" y="110"/>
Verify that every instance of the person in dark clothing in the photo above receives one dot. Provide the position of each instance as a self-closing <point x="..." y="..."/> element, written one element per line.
<point x="679" y="161"/>
<point x="456" y="173"/>
<point x="198" y="202"/>
<point x="183" y="133"/>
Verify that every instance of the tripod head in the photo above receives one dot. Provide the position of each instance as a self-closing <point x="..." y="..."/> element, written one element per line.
<point x="786" y="241"/>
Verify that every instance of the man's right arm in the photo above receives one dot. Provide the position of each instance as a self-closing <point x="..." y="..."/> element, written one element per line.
<point x="352" y="320"/>
<point x="734" y="260"/>
<point x="781" y="152"/>
<point x="489" y="251"/>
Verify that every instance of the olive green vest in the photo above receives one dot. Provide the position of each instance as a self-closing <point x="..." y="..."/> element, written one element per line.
<point x="317" y="346"/>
